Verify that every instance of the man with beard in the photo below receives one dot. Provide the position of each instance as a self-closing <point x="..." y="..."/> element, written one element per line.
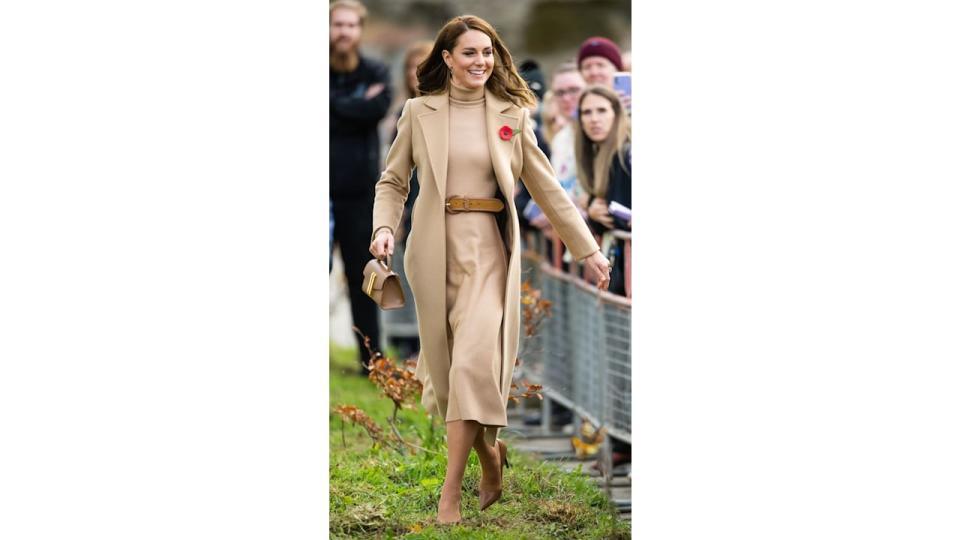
<point x="359" y="98"/>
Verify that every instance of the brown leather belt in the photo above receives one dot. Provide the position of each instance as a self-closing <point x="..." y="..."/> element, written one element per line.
<point x="455" y="205"/>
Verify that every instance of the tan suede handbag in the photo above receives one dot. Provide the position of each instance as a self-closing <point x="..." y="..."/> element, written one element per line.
<point x="382" y="284"/>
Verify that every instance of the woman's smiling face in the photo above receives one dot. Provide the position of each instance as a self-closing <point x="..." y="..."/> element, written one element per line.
<point x="471" y="61"/>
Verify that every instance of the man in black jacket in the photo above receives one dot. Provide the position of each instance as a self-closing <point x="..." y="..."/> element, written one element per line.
<point x="359" y="98"/>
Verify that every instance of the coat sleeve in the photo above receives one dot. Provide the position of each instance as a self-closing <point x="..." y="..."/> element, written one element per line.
<point x="394" y="184"/>
<point x="541" y="181"/>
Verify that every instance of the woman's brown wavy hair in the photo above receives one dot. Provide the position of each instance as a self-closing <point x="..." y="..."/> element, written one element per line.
<point x="505" y="83"/>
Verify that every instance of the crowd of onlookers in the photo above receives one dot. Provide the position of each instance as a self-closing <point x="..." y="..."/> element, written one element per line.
<point x="582" y="125"/>
<point x="584" y="128"/>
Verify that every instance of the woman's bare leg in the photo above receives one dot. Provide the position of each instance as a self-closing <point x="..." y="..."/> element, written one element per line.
<point x="460" y="437"/>
<point x="489" y="463"/>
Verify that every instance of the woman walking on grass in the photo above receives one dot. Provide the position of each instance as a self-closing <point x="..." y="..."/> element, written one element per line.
<point x="470" y="137"/>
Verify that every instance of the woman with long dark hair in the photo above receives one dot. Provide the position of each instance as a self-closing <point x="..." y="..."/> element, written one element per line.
<point x="471" y="139"/>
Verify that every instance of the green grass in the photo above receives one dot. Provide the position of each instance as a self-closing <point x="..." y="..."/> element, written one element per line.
<point x="376" y="493"/>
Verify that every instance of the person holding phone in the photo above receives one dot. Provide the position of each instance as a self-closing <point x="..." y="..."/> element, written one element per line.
<point x="600" y="62"/>
<point x="470" y="136"/>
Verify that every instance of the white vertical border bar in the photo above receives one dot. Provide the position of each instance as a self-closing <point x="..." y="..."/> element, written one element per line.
<point x="796" y="293"/>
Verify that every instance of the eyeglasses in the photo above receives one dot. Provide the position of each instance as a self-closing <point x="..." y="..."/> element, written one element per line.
<point x="568" y="91"/>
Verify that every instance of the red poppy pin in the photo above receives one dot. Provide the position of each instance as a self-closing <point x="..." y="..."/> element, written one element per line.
<point x="506" y="132"/>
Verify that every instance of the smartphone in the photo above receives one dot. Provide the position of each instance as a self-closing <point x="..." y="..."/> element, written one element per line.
<point x="622" y="85"/>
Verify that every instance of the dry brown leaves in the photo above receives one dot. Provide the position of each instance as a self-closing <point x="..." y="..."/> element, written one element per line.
<point x="355" y="415"/>
<point x="530" y="390"/>
<point x="534" y="308"/>
<point x="396" y="382"/>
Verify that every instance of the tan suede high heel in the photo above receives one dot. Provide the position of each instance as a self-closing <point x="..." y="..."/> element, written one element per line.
<point x="489" y="497"/>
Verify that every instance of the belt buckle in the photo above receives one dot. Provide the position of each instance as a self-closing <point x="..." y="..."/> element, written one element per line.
<point x="450" y="209"/>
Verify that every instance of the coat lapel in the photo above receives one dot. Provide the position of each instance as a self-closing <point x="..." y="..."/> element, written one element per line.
<point x="498" y="115"/>
<point x="435" y="127"/>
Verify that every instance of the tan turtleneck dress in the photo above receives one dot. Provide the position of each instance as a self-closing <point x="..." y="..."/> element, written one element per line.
<point x="476" y="269"/>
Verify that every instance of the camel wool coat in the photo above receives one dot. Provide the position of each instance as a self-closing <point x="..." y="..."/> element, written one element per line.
<point x="422" y="142"/>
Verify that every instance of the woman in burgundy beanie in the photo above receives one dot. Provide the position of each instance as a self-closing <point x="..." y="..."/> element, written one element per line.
<point x="598" y="59"/>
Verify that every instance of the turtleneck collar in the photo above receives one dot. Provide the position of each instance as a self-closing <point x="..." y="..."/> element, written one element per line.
<point x="460" y="93"/>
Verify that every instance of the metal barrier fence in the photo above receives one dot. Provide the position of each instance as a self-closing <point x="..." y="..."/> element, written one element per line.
<point x="581" y="354"/>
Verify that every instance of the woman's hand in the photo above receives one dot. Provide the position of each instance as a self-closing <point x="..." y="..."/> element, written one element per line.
<point x="382" y="245"/>
<point x="598" y="212"/>
<point x="598" y="268"/>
